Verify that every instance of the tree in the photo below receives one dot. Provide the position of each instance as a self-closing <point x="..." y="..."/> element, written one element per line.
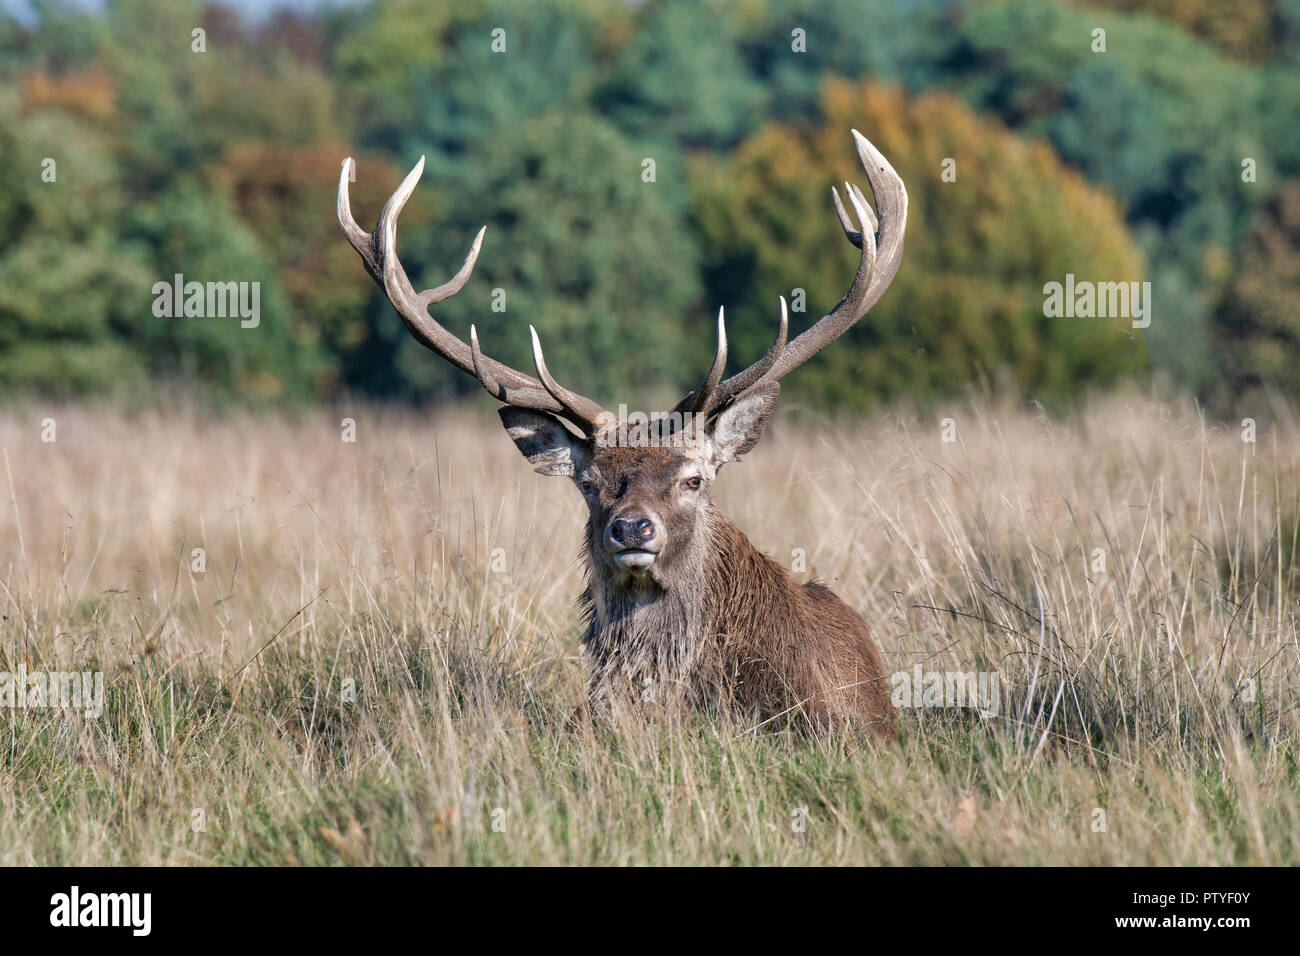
<point x="286" y="197"/>
<point x="179" y="109"/>
<point x="581" y="247"/>
<point x="192" y="232"/>
<point x="1159" y="118"/>
<point x="969" y="299"/>
<point x="1243" y="30"/>
<point x="69" y="291"/>
<point x="448" y="82"/>
<point x="680" y="78"/>
<point x="906" y="43"/>
<point x="1258" y="321"/>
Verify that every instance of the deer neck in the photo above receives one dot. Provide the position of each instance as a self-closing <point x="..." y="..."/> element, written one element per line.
<point x="672" y="626"/>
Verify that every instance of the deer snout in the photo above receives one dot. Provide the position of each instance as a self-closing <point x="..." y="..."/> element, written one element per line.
<point x="632" y="540"/>
<point x="632" y="532"/>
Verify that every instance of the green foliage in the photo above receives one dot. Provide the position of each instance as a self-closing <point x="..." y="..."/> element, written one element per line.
<point x="179" y="109"/>
<point x="381" y="51"/>
<point x="681" y="78"/>
<point x="968" y="301"/>
<point x="224" y="162"/>
<point x="195" y="235"/>
<point x="453" y="99"/>
<point x="1245" y="29"/>
<point x="585" y="250"/>
<point x="1160" y="119"/>
<point x="907" y="43"/>
<point x="64" y="313"/>
<point x="68" y="292"/>
<point x="1259" y="326"/>
<point x="286" y="197"/>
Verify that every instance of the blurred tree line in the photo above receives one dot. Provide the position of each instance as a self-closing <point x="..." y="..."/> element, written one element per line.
<point x="638" y="165"/>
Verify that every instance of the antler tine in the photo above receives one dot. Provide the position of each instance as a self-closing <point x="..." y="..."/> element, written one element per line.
<point x="480" y="364"/>
<point x="854" y="236"/>
<point x="360" y="240"/>
<point x="700" y="398"/>
<point x="378" y="253"/>
<point x="705" y="399"/>
<point x="765" y="366"/>
<point x="456" y="283"/>
<point x="582" y="411"/>
<point x="865" y="215"/>
<point x="392" y="267"/>
<point x="881" y="241"/>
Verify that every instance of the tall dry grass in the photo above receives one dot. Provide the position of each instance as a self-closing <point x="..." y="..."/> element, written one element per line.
<point x="1147" y="715"/>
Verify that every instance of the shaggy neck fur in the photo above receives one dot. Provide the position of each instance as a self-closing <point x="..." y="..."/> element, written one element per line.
<point x="662" y="637"/>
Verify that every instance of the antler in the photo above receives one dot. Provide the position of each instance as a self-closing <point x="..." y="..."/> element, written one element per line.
<point x="879" y="238"/>
<point x="881" y="242"/>
<point x="378" y="252"/>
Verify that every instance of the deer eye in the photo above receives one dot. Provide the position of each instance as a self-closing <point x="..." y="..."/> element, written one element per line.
<point x="693" y="484"/>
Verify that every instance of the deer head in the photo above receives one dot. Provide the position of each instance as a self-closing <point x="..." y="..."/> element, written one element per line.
<point x="648" y="500"/>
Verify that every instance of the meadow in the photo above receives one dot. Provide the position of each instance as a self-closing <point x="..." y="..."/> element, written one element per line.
<point x="372" y="654"/>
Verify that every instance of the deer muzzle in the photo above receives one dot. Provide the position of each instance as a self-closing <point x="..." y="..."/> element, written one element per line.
<point x="633" y="541"/>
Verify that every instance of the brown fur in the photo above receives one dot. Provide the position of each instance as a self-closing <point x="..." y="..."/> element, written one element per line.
<point x="715" y="620"/>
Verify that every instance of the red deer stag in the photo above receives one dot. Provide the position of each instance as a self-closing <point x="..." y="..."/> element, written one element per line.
<point x="678" y="602"/>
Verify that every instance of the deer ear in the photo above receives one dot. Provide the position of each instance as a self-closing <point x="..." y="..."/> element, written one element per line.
<point x="738" y="427"/>
<point x="545" y="442"/>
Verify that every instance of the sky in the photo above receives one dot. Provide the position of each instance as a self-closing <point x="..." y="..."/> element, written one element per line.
<point x="254" y="10"/>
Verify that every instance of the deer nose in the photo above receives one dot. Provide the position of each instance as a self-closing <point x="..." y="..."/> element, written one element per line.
<point x="634" y="532"/>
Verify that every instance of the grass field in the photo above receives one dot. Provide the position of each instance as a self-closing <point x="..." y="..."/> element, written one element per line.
<point x="375" y="661"/>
